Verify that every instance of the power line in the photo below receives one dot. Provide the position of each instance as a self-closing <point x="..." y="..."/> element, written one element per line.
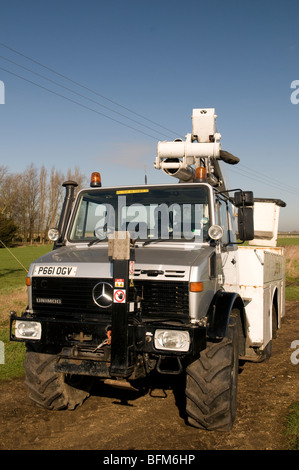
<point x="274" y="183"/>
<point x="85" y="87"/>
<point x="78" y="94"/>
<point x="259" y="179"/>
<point x="270" y="178"/>
<point x="76" y="102"/>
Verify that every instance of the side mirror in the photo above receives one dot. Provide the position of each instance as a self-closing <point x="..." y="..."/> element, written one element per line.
<point x="245" y="223"/>
<point x="243" y="198"/>
<point x="244" y="201"/>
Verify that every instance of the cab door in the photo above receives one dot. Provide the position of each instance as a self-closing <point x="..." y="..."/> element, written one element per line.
<point x="225" y="217"/>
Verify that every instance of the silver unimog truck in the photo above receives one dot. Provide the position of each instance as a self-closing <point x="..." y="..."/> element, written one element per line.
<point x="154" y="279"/>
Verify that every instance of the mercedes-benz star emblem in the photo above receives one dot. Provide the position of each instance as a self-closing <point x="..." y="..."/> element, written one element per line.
<point x="102" y="294"/>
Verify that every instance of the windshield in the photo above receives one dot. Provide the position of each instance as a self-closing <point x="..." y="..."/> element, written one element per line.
<point x="148" y="213"/>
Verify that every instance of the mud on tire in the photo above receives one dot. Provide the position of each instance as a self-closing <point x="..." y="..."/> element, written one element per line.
<point x="211" y="383"/>
<point x="50" y="389"/>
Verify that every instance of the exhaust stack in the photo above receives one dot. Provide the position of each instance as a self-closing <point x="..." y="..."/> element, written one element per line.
<point x="66" y="209"/>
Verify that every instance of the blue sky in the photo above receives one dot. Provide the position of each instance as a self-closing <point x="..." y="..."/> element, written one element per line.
<point x="152" y="62"/>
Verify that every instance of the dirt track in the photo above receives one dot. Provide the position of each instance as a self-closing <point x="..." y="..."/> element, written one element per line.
<point x="123" y="420"/>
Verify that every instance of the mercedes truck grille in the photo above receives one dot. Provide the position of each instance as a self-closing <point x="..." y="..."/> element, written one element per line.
<point x="83" y="296"/>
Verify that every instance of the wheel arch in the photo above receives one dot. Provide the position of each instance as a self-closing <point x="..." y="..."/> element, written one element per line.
<point x="223" y="305"/>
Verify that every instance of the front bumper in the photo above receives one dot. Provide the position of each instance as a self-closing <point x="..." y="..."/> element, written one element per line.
<point x="84" y="347"/>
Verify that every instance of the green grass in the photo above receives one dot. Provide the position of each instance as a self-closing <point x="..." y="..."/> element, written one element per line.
<point x="13" y="296"/>
<point x="287" y="241"/>
<point x="292" y="289"/>
<point x="14" y="355"/>
<point x="292" y="426"/>
<point x="12" y="274"/>
<point x="292" y="271"/>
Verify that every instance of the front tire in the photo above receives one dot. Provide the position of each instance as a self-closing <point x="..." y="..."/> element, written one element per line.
<point x="50" y="389"/>
<point x="211" y="383"/>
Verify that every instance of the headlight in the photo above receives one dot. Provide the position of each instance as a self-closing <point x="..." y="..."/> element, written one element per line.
<point x="215" y="232"/>
<point x="172" y="340"/>
<point x="53" y="234"/>
<point x="28" y="330"/>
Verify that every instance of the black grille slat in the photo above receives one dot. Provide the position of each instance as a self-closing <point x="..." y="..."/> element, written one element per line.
<point x="160" y="299"/>
<point x="75" y="295"/>
<point x="163" y="298"/>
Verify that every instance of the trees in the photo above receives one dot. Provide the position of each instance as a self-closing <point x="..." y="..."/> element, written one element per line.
<point x="7" y="230"/>
<point x="30" y="202"/>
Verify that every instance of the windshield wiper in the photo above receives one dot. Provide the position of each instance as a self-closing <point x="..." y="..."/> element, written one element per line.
<point x="156" y="241"/>
<point x="98" y="240"/>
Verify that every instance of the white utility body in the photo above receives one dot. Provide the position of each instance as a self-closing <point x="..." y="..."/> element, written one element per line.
<point x="260" y="270"/>
<point x="262" y="288"/>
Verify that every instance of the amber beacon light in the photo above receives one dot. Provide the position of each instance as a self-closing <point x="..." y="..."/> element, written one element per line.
<point x="200" y="174"/>
<point x="95" y="180"/>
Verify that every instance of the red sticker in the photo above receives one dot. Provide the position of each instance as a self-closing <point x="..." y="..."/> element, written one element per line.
<point x="119" y="296"/>
<point x="119" y="283"/>
<point x="131" y="267"/>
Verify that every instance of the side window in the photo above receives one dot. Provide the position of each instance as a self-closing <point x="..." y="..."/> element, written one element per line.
<point x="222" y="216"/>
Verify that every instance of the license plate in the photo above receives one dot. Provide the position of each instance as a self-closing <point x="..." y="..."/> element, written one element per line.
<point x="69" y="271"/>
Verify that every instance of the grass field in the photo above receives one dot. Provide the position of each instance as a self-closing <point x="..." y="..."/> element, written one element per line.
<point x="12" y="273"/>
<point x="292" y="426"/>
<point x="292" y="272"/>
<point x="288" y="241"/>
<point x="13" y="296"/>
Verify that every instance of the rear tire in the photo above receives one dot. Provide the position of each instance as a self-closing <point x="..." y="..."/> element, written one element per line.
<point x="211" y="383"/>
<point x="50" y="389"/>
